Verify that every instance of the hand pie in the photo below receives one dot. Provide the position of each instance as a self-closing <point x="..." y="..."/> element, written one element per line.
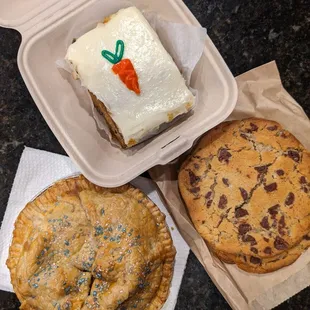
<point x="80" y="246"/>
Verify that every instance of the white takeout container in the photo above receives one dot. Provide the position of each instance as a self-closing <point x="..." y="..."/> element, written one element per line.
<point x="44" y="27"/>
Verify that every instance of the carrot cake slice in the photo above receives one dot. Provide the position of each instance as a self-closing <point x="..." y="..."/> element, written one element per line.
<point x="133" y="81"/>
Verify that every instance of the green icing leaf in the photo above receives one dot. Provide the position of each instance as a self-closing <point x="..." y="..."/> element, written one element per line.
<point x="119" y="53"/>
<point x="109" y="56"/>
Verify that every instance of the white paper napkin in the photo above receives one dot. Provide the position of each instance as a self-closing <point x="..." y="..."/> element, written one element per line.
<point x="39" y="169"/>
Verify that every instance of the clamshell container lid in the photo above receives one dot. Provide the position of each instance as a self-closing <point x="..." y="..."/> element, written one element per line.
<point x="24" y="14"/>
<point x="14" y="14"/>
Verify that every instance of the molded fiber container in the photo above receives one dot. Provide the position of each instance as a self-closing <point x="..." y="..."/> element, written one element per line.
<point x="45" y="25"/>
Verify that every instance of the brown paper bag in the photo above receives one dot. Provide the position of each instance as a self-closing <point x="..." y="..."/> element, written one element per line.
<point x="261" y="94"/>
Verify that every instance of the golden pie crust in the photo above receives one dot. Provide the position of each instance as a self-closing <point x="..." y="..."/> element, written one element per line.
<point x="81" y="246"/>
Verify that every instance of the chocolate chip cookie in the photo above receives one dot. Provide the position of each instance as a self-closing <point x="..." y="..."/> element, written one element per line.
<point x="247" y="188"/>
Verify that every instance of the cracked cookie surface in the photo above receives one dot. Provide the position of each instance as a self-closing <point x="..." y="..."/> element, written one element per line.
<point x="247" y="188"/>
<point x="80" y="246"/>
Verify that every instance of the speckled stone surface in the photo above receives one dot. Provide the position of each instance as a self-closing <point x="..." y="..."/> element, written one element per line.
<point x="247" y="34"/>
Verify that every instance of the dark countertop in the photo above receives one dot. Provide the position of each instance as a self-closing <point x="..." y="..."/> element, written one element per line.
<point x="247" y="34"/>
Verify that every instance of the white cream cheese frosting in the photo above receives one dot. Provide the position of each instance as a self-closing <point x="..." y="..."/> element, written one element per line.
<point x="164" y="94"/>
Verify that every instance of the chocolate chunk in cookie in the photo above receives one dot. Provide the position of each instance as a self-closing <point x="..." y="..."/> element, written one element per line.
<point x="225" y="181"/>
<point x="193" y="179"/>
<point x="222" y="202"/>
<point x="249" y="238"/>
<point x="293" y="155"/>
<point x="274" y="209"/>
<point x="195" y="190"/>
<point x="196" y="166"/>
<point x="264" y="223"/>
<point x="267" y="250"/>
<point x="252" y="128"/>
<point x="244" y="228"/>
<point x="244" y="193"/>
<point x="303" y="180"/>
<point x="262" y="169"/>
<point x="241" y="212"/>
<point x="280" y="172"/>
<point x="254" y="250"/>
<point x="255" y="260"/>
<point x="290" y="199"/>
<point x="271" y="187"/>
<point x="280" y="244"/>
<point x="272" y="128"/>
<point x="223" y="155"/>
<point x="209" y="198"/>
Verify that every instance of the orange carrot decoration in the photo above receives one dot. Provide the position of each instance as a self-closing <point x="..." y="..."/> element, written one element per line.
<point x="127" y="74"/>
<point x="123" y="67"/>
